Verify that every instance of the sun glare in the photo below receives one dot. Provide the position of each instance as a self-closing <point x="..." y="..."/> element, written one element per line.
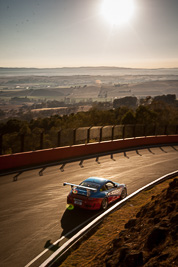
<point x="117" y="12"/>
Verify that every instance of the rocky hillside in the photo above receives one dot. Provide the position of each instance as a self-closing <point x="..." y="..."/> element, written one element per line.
<point x="150" y="239"/>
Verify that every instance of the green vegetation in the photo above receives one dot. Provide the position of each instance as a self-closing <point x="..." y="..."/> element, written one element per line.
<point x="44" y="132"/>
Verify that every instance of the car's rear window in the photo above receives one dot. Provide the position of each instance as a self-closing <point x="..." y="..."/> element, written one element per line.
<point x="90" y="184"/>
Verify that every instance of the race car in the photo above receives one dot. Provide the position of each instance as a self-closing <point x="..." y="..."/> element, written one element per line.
<point x="95" y="193"/>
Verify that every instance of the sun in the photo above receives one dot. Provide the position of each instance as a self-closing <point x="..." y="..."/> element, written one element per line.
<point x="117" y="12"/>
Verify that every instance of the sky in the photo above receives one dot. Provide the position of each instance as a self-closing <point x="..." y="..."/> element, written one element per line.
<point x="75" y="33"/>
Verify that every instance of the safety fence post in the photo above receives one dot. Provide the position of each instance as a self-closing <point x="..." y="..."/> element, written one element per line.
<point x="176" y="129"/>
<point x="22" y="138"/>
<point x="144" y="130"/>
<point x="123" y="132"/>
<point x="101" y="133"/>
<point x="59" y="138"/>
<point x="165" y="130"/>
<point x="133" y="131"/>
<point x="112" y="133"/>
<point x="74" y="136"/>
<point x="88" y="134"/>
<point x="1" y="139"/>
<point x="155" y="130"/>
<point x="41" y="140"/>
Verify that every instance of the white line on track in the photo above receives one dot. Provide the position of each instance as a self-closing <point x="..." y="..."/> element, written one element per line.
<point x="57" y="241"/>
<point x="97" y="219"/>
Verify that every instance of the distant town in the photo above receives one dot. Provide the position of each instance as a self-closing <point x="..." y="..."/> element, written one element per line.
<point x="32" y="93"/>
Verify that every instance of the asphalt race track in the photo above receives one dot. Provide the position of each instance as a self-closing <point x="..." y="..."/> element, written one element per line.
<point x="33" y="203"/>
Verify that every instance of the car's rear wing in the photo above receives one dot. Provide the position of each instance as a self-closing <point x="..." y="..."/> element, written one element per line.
<point x="81" y="186"/>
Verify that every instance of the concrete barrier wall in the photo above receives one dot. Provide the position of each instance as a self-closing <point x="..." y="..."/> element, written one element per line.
<point x="32" y="158"/>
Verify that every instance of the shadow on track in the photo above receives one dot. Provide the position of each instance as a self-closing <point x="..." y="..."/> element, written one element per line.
<point x="15" y="178"/>
<point x="149" y="149"/>
<point x="125" y="155"/>
<point x="50" y="246"/>
<point x="138" y="153"/>
<point x="162" y="149"/>
<point x="174" y="148"/>
<point x="72" y="219"/>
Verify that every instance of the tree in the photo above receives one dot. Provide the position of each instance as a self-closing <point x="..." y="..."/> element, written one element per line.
<point x="128" y="118"/>
<point x="12" y="125"/>
<point x="119" y="113"/>
<point x="25" y="129"/>
<point x="145" y="116"/>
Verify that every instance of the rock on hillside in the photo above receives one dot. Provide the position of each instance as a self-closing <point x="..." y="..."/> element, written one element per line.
<point x="150" y="239"/>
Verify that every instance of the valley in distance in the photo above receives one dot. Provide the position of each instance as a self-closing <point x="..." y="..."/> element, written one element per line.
<point x="70" y="90"/>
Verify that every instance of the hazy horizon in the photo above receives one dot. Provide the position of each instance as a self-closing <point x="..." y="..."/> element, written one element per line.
<point x="80" y="67"/>
<point x="89" y="71"/>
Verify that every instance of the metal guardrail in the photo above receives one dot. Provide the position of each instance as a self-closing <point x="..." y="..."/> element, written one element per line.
<point x="72" y="241"/>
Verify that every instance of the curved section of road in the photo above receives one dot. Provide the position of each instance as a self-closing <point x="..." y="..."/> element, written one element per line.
<point x="33" y="203"/>
<point x="69" y="244"/>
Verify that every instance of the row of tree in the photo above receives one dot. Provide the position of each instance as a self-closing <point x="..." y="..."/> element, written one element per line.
<point x="157" y="113"/>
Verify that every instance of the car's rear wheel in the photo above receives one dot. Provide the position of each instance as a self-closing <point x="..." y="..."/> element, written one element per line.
<point x="104" y="204"/>
<point x="124" y="193"/>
